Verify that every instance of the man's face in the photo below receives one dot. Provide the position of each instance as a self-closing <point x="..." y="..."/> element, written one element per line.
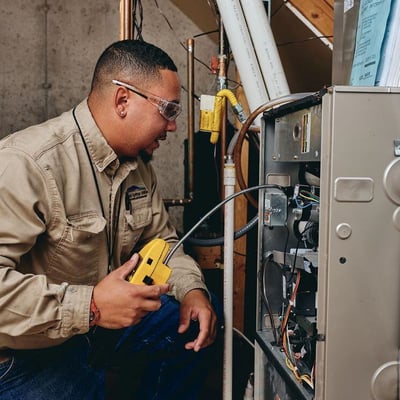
<point x="144" y="124"/>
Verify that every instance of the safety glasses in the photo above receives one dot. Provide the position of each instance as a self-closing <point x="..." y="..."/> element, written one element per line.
<point x="168" y="109"/>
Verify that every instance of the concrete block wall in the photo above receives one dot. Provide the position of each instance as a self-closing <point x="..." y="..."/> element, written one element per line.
<point x="48" y="49"/>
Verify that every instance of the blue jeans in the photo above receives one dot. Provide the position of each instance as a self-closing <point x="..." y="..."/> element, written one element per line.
<point x="150" y="353"/>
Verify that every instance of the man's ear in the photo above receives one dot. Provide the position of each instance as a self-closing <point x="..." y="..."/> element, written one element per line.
<point x="121" y="98"/>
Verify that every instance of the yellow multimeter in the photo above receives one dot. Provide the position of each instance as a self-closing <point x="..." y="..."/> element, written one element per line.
<point x="151" y="269"/>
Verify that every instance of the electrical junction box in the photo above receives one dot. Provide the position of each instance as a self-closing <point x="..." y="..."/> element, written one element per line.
<point x="275" y="207"/>
<point x="209" y="115"/>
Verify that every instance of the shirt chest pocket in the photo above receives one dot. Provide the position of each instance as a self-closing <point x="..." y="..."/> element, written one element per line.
<point x="79" y="251"/>
<point x="139" y="214"/>
<point x="137" y="217"/>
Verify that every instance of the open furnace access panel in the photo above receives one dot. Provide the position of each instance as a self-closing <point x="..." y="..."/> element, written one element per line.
<point x="328" y="299"/>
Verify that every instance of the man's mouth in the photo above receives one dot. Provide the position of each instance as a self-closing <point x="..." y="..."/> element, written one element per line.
<point x="163" y="136"/>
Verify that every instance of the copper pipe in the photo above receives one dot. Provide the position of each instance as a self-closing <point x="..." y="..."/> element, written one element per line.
<point x="125" y="12"/>
<point x="189" y="190"/>
<point x="221" y="58"/>
<point x="190" y="85"/>
<point x="237" y="150"/>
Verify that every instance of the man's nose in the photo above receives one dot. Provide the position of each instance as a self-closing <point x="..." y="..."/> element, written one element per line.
<point x="171" y="127"/>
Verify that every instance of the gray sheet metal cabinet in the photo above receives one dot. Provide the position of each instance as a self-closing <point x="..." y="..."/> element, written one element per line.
<point x="331" y="215"/>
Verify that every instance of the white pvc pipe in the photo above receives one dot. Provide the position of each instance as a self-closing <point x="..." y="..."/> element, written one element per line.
<point x="229" y="217"/>
<point x="265" y="48"/>
<point x="243" y="52"/>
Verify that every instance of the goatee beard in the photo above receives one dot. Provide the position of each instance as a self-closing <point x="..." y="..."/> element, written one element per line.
<point x="145" y="156"/>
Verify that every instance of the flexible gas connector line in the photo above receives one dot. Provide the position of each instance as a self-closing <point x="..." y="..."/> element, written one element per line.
<point x="218" y="110"/>
<point x="237" y="108"/>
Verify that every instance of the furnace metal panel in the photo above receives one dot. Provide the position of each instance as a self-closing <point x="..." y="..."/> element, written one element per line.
<point x="357" y="259"/>
<point x="358" y="291"/>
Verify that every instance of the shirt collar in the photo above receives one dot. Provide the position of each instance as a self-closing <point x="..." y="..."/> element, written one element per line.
<point x="101" y="153"/>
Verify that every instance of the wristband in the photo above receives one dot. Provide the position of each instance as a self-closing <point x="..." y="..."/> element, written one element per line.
<point x="94" y="314"/>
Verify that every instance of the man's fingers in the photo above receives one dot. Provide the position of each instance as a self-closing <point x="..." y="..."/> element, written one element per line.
<point x="151" y="292"/>
<point x="183" y="324"/>
<point x="126" y="269"/>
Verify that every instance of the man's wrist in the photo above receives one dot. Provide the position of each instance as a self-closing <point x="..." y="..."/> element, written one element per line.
<point x="94" y="313"/>
<point x="200" y="290"/>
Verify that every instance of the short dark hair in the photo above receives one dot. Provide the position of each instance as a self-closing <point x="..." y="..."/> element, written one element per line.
<point x="134" y="59"/>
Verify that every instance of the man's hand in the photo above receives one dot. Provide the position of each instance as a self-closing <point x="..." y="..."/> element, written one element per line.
<point x="123" y="304"/>
<point x="195" y="306"/>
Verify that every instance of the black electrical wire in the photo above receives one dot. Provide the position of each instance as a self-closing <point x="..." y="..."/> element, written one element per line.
<point x="194" y="36"/>
<point x="137" y="18"/>
<point x="303" y="40"/>
<point x="286" y="244"/>
<point x="205" y="33"/>
<point x="219" y="241"/>
<point x="212" y="211"/>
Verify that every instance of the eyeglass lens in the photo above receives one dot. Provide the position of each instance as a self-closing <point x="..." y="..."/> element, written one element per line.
<point x="171" y="110"/>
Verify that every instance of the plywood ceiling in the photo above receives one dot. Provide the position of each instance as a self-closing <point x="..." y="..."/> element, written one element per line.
<point x="319" y="13"/>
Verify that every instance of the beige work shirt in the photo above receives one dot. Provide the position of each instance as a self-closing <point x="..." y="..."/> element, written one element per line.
<point x="56" y="235"/>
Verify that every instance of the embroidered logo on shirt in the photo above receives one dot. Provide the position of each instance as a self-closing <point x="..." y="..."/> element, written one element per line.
<point x="134" y="193"/>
